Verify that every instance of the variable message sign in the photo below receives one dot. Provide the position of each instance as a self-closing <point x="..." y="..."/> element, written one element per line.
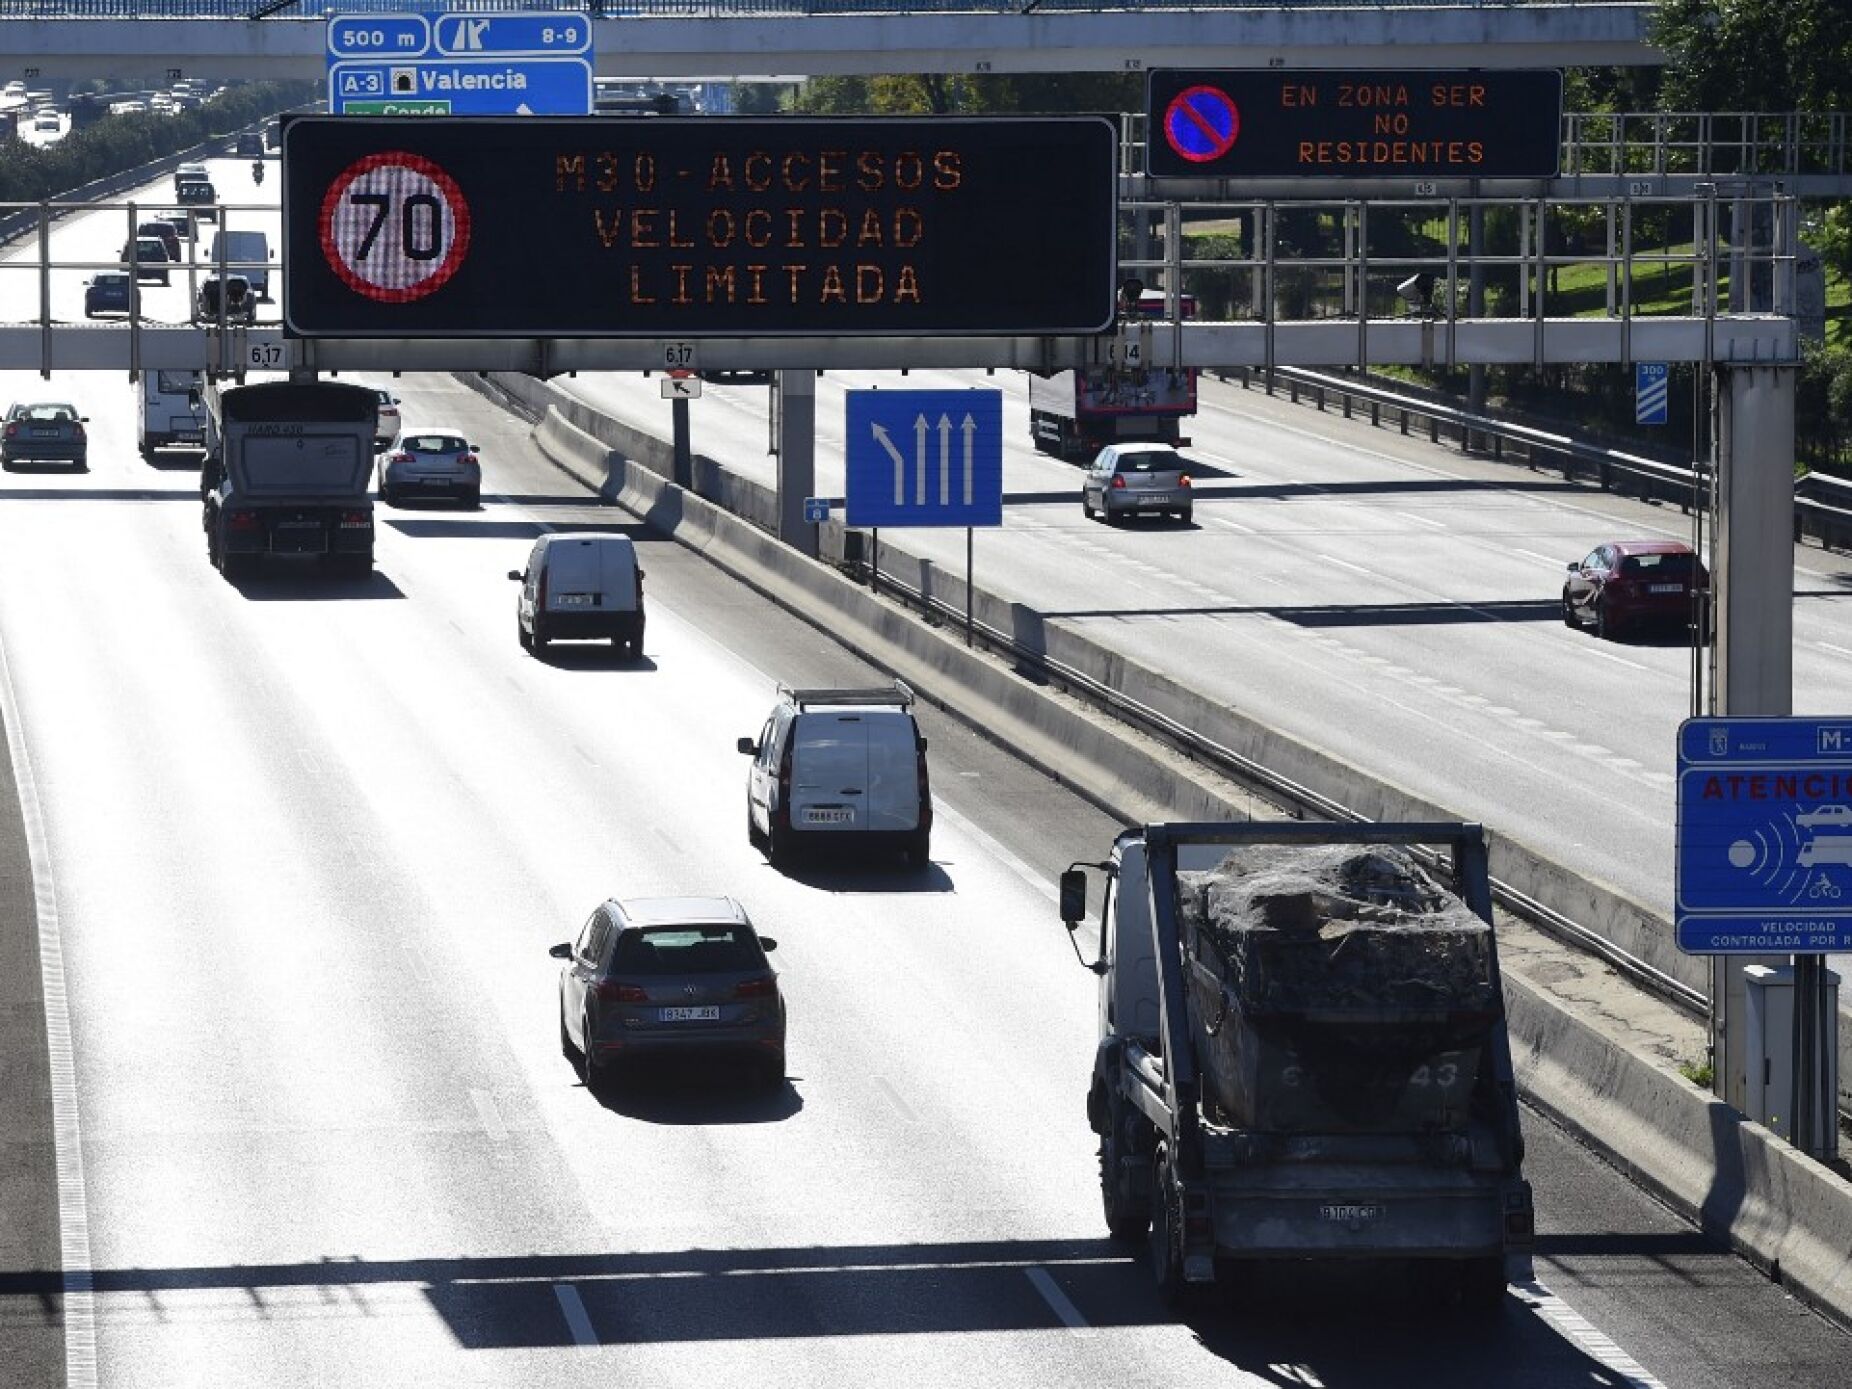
<point x="1764" y="848"/>
<point x="690" y="227"/>
<point x="1329" y="124"/>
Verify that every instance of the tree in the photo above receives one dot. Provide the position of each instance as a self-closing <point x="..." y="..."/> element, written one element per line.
<point x="1756" y="55"/>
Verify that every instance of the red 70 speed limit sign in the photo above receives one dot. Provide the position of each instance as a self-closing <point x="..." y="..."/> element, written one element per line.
<point x="394" y="226"/>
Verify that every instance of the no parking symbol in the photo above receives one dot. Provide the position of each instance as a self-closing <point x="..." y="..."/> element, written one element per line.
<point x="1202" y="123"/>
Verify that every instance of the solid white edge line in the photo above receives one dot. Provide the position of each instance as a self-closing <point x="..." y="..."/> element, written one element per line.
<point x="488" y="1115"/>
<point x="1051" y="1293"/>
<point x="1575" y="1328"/>
<point x="79" y="1284"/>
<point x="572" y="1307"/>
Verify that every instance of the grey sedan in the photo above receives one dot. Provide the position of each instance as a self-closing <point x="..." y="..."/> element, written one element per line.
<point x="44" y="433"/>
<point x="659" y="976"/>
<point x="1137" y="480"/>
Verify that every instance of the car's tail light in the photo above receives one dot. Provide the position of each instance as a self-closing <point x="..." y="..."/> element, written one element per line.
<point x="1183" y="479"/>
<point x="355" y="520"/>
<point x="242" y="521"/>
<point x="78" y="431"/>
<point x="762" y="987"/>
<point x="12" y="431"/>
<point x="613" y="992"/>
<point x="1118" y="482"/>
<point x="401" y="457"/>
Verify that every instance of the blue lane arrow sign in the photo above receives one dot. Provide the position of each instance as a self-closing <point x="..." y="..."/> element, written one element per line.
<point x="924" y="458"/>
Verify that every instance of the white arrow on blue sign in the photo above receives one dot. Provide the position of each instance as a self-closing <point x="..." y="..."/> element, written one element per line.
<point x="1651" y="381"/>
<point x="924" y="458"/>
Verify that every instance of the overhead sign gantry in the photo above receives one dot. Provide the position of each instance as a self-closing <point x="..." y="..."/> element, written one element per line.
<point x="686" y="228"/>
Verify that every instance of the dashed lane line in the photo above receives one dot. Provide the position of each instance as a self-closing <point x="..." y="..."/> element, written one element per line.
<point x="1044" y="1283"/>
<point x="572" y="1307"/>
<point x="1575" y="1328"/>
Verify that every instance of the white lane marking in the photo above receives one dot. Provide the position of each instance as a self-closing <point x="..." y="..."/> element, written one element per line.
<point x="1346" y="564"/>
<point x="1297" y="1374"/>
<point x="1547" y="559"/>
<point x="490" y="1116"/>
<point x="1422" y="520"/>
<point x="1836" y="650"/>
<point x="1618" y="660"/>
<point x="1051" y="1293"/>
<point x="572" y="1307"/>
<point x="1575" y="1328"/>
<point x="1227" y="524"/>
<point x="901" y="1107"/>
<point x="79" y="1284"/>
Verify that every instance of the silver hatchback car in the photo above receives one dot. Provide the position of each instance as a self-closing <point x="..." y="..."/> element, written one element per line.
<point x="432" y="460"/>
<point x="656" y="976"/>
<point x="1137" y="480"/>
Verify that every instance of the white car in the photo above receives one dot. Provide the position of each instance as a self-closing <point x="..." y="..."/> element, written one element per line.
<point x="1830" y="815"/>
<point x="388" y="428"/>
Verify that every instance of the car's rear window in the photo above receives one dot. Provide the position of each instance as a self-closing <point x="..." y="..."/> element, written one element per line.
<point x="714" y="949"/>
<point x="434" y="443"/>
<point x="1149" y="463"/>
<point x="1676" y="566"/>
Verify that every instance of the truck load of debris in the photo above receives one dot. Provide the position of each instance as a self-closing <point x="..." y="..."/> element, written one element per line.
<point x="1337" y="988"/>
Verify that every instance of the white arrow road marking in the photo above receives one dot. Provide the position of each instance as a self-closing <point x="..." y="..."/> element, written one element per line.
<point x="900" y="464"/>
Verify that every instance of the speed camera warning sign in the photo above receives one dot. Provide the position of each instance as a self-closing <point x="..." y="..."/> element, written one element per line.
<point x="394" y="226"/>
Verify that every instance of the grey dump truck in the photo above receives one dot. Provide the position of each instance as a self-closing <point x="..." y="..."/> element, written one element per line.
<point x="1303" y="1053"/>
<point x="292" y="474"/>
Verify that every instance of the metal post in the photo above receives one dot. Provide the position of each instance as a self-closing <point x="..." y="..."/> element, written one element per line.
<point x="969" y="532"/>
<point x="1475" y="308"/>
<point x="45" y="291"/>
<point x="1753" y="567"/>
<point x="684" y="454"/>
<point x="797" y="457"/>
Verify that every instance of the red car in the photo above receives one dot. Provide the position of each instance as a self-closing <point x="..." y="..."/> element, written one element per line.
<point x="1627" y="584"/>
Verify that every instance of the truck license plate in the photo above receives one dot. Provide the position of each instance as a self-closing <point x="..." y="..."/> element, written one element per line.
<point x="708" y="1014"/>
<point x="1346" y="1215"/>
<point x="573" y="600"/>
<point x="1664" y="588"/>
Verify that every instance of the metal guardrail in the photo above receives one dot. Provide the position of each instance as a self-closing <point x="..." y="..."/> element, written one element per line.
<point x="1822" y="506"/>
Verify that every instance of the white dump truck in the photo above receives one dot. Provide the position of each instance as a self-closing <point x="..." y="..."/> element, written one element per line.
<point x="1303" y="1054"/>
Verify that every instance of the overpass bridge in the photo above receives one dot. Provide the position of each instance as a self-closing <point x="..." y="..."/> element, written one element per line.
<point x="699" y="39"/>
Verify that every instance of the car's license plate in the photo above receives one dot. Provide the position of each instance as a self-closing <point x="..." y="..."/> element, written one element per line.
<point x="829" y="817"/>
<point x="1665" y="588"/>
<point x="188" y="436"/>
<point x="1345" y="1214"/>
<point x="573" y="600"/>
<point x="47" y="432"/>
<point x="711" y="1013"/>
<point x="1155" y="499"/>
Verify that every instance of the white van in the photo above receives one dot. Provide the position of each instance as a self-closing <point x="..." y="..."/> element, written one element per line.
<point x="580" y="584"/>
<point x="246" y="253"/>
<point x="840" y="767"/>
<point x="173" y="412"/>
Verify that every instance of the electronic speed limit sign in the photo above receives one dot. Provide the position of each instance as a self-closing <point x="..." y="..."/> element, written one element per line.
<point x="394" y="226"/>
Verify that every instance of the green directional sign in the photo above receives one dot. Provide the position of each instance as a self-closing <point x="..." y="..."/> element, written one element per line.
<point x="398" y="108"/>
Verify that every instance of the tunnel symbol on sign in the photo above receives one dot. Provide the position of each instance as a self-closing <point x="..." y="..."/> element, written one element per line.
<point x="1201" y="123"/>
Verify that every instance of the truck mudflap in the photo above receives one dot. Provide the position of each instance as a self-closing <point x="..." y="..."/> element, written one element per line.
<point x="1296" y="1213"/>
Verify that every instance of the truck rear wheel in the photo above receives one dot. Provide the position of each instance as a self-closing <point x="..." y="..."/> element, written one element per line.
<point x="1128" y="1215"/>
<point x="1165" y="1246"/>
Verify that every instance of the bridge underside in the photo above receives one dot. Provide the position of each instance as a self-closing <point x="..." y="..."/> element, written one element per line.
<point x="773" y="45"/>
<point x="1741" y="338"/>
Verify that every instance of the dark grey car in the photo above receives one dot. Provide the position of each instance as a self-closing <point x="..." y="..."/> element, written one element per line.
<point x="45" y="432"/>
<point x="1137" y="480"/>
<point x="656" y="976"/>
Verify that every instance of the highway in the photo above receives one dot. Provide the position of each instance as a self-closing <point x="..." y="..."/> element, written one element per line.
<point x="1391" y="602"/>
<point x="308" y="841"/>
